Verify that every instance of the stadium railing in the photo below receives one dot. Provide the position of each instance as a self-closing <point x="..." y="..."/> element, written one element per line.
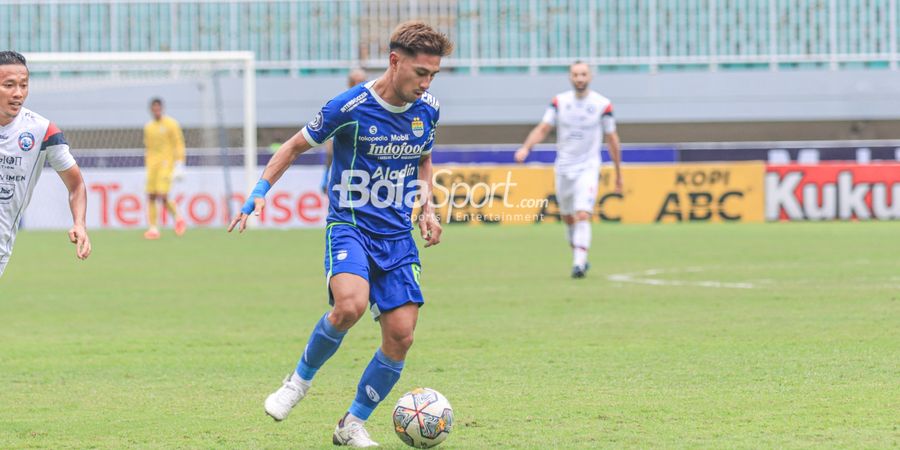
<point x="297" y="37"/>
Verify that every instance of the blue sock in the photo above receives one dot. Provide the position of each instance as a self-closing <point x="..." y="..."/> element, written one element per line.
<point x="376" y="383"/>
<point x="323" y="342"/>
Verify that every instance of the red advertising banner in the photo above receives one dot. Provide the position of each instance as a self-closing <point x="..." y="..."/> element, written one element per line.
<point x="833" y="191"/>
<point x="116" y="199"/>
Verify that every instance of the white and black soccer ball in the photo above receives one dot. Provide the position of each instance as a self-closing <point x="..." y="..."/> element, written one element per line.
<point x="423" y="418"/>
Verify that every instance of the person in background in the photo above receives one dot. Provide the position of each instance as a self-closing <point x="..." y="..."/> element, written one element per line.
<point x="164" y="159"/>
<point x="582" y="118"/>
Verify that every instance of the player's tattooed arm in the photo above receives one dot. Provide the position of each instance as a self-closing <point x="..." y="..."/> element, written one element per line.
<point x="429" y="226"/>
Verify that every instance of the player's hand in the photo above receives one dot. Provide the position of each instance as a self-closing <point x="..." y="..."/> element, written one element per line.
<point x="521" y="154"/>
<point x="618" y="184"/>
<point x="178" y="171"/>
<point x="430" y="228"/>
<point x="78" y="236"/>
<point x="257" y="203"/>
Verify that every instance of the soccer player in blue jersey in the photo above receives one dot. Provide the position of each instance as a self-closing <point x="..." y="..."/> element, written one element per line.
<point x="383" y="134"/>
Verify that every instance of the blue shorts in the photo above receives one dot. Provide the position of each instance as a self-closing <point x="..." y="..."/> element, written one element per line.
<point x="390" y="265"/>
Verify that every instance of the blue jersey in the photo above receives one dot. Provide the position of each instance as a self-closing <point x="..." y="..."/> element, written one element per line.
<point x="377" y="147"/>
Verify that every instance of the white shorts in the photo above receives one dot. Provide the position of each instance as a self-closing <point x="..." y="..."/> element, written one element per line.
<point x="577" y="191"/>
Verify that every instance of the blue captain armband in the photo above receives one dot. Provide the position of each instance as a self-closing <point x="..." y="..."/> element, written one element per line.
<point x="260" y="191"/>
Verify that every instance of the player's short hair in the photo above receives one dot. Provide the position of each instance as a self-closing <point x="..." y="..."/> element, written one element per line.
<point x="156" y="101"/>
<point x="414" y="37"/>
<point x="12" y="57"/>
<point x="577" y="62"/>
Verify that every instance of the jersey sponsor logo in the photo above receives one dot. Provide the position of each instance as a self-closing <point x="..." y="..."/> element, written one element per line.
<point x="26" y="141"/>
<point x="399" y="137"/>
<point x="3" y="137"/>
<point x="418" y="127"/>
<point x="574" y="135"/>
<point x="10" y="162"/>
<point x="6" y="192"/>
<point x="341" y="255"/>
<point x="353" y="103"/>
<point x="317" y="122"/>
<point x="15" y="178"/>
<point x="386" y="173"/>
<point x="373" y="129"/>
<point x="395" y="151"/>
<point x="373" y="138"/>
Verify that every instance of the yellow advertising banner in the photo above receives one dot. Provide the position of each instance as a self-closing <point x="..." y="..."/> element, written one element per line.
<point x="727" y="192"/>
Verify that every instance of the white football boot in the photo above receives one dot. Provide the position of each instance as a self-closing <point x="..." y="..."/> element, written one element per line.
<point x="352" y="434"/>
<point x="280" y="402"/>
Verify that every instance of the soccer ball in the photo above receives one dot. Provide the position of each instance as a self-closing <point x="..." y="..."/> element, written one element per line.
<point x="423" y="418"/>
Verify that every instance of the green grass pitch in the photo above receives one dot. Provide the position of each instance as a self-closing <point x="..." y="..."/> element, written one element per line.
<point x="715" y="336"/>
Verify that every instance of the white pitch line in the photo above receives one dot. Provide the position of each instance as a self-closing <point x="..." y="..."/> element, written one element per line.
<point x="644" y="278"/>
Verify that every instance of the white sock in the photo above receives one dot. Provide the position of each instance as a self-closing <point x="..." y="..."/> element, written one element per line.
<point x="581" y="242"/>
<point x="297" y="381"/>
<point x="351" y="418"/>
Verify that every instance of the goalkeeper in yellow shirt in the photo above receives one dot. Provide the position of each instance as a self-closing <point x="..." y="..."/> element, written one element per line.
<point x="164" y="159"/>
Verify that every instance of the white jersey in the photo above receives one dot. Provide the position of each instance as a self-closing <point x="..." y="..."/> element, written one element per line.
<point x="25" y="143"/>
<point x="580" y="125"/>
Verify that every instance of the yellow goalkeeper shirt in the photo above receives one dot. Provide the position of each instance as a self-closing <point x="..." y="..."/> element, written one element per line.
<point x="164" y="143"/>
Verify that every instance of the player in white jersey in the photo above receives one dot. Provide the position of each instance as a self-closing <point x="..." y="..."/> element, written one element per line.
<point x="582" y="118"/>
<point x="26" y="141"/>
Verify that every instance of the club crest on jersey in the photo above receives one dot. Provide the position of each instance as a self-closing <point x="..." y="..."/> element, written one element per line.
<point x="418" y="127"/>
<point x="26" y="141"/>
<point x="317" y="122"/>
